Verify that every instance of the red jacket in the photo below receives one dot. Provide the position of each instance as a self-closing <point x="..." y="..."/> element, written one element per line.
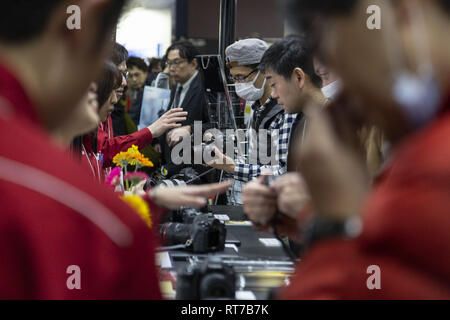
<point x="100" y="163"/>
<point x="406" y="231"/>
<point x="108" y="145"/>
<point x="53" y="216"/>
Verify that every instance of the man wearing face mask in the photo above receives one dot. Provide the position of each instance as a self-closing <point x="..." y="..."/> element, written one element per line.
<point x="391" y="242"/>
<point x="289" y="70"/>
<point x="243" y="59"/>
<point x="331" y="84"/>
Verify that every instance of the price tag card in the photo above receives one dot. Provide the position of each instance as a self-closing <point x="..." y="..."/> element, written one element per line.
<point x="163" y="260"/>
<point x="270" y="242"/>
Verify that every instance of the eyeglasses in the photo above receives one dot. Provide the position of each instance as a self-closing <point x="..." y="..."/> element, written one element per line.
<point x="242" y="78"/>
<point x="175" y="63"/>
<point x="125" y="74"/>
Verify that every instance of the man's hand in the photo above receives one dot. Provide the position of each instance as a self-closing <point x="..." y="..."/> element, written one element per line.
<point x="138" y="189"/>
<point x="336" y="176"/>
<point x="292" y="194"/>
<point x="174" y="136"/>
<point x="167" y="121"/>
<point x="260" y="201"/>
<point x="186" y="196"/>
<point x="221" y="161"/>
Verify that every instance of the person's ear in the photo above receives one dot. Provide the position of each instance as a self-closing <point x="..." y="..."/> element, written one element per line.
<point x="298" y="77"/>
<point x="195" y="63"/>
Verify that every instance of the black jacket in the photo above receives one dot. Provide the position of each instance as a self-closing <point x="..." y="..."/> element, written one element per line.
<point x="196" y="105"/>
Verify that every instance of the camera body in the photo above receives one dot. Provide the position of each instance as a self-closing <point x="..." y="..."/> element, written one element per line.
<point x="199" y="151"/>
<point x="186" y="215"/>
<point x="210" y="279"/>
<point x="204" y="234"/>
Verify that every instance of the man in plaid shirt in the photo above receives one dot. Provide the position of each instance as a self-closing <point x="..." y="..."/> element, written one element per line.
<point x="288" y="67"/>
<point x="279" y="130"/>
<point x="270" y="122"/>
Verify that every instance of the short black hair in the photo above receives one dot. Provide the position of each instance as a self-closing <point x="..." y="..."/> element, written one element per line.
<point x="119" y="54"/>
<point x="154" y="63"/>
<point x="138" y="63"/>
<point x="187" y="50"/>
<point x="23" y="20"/>
<point x="109" y="80"/>
<point x="287" y="54"/>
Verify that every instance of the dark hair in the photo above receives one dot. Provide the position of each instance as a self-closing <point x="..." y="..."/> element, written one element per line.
<point x="119" y="54"/>
<point x="23" y="20"/>
<point x="110" y="79"/>
<point x="187" y="50"/>
<point x="286" y="55"/>
<point x="138" y="63"/>
<point x="154" y="63"/>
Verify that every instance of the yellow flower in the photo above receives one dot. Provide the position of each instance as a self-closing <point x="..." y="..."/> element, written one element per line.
<point x="132" y="157"/>
<point x="121" y="159"/>
<point x="140" y="206"/>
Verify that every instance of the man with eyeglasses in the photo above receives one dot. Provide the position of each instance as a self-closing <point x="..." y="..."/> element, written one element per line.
<point x="243" y="58"/>
<point x="189" y="94"/>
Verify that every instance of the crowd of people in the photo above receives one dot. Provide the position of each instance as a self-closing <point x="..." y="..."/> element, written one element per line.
<point x="357" y="120"/>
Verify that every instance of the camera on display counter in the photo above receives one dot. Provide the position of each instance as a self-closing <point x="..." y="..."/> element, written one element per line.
<point x="185" y="177"/>
<point x="204" y="234"/>
<point x="209" y="279"/>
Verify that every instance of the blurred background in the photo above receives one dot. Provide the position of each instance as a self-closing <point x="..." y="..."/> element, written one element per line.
<point x="148" y="27"/>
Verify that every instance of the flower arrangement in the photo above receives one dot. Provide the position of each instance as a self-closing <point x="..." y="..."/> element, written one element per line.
<point x="120" y="176"/>
<point x="131" y="157"/>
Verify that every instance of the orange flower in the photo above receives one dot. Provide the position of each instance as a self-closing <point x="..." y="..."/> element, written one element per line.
<point x="143" y="162"/>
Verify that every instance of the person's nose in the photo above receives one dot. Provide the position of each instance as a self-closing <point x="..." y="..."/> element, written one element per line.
<point x="124" y="82"/>
<point x="275" y="95"/>
<point x="114" y="99"/>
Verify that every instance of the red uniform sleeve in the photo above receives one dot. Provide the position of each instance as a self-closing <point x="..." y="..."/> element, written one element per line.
<point x="110" y="147"/>
<point x="338" y="269"/>
<point x="406" y="222"/>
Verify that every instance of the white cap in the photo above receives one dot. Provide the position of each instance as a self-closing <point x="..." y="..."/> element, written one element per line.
<point x="246" y="52"/>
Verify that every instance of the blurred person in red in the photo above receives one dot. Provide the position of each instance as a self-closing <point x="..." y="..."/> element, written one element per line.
<point x="83" y="119"/>
<point x="53" y="217"/>
<point x="391" y="242"/>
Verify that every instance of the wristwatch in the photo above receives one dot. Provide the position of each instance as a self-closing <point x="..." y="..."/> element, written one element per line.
<point x="320" y="228"/>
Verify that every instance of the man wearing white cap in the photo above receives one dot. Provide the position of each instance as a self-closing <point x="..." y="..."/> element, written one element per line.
<point x="243" y="59"/>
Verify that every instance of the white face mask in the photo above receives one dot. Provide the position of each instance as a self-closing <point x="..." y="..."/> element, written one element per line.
<point x="247" y="90"/>
<point x="330" y="91"/>
<point x="418" y="94"/>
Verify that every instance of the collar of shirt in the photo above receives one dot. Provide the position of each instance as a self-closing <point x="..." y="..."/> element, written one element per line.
<point x="106" y="127"/>
<point x="256" y="106"/>
<point x="13" y="92"/>
<point x="186" y="87"/>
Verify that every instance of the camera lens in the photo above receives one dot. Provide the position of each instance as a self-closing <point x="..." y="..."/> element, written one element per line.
<point x="216" y="285"/>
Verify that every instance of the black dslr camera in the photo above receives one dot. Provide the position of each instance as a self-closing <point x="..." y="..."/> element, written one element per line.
<point x="186" y="215"/>
<point x="210" y="279"/>
<point x="198" y="151"/>
<point x="204" y="234"/>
